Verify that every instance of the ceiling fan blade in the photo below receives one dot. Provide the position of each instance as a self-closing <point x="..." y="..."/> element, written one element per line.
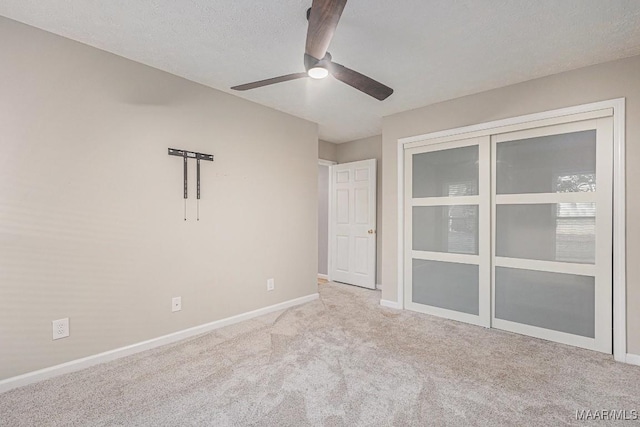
<point x="267" y="82"/>
<point x="323" y="21"/>
<point x="361" y="82"/>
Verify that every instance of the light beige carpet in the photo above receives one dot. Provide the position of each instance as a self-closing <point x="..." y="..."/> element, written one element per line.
<point x="340" y="361"/>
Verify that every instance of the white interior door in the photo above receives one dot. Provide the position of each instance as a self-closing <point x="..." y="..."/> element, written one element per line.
<point x="447" y="272"/>
<point x="353" y="223"/>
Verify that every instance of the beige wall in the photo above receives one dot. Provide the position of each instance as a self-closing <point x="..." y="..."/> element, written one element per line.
<point x="365" y="149"/>
<point x="596" y="83"/>
<point x="327" y="150"/>
<point x="91" y="208"/>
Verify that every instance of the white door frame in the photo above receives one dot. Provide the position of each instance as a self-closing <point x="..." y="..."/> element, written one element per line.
<point x="328" y="163"/>
<point x="562" y="115"/>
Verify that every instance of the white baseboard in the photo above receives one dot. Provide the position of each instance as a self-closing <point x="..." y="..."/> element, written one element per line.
<point x="390" y="304"/>
<point x="85" y="362"/>
<point x="323" y="276"/>
<point x="632" y="359"/>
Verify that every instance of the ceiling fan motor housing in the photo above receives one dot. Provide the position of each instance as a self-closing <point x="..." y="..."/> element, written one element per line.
<point x="311" y="62"/>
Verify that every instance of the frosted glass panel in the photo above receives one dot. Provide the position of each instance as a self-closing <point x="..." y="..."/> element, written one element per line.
<point x="561" y="302"/>
<point x="451" y="229"/>
<point x="446" y="285"/>
<point x="564" y="232"/>
<point x="446" y="173"/>
<point x="550" y="164"/>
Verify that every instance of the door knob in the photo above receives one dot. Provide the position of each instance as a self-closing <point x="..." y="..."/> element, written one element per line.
<point x="371" y="231"/>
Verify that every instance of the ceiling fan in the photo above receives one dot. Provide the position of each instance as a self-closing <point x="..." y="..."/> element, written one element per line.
<point x="323" y="17"/>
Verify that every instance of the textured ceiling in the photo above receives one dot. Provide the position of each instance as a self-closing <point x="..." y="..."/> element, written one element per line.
<point x="428" y="51"/>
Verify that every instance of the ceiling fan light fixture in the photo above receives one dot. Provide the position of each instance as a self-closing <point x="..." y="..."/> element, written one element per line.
<point x="318" y="72"/>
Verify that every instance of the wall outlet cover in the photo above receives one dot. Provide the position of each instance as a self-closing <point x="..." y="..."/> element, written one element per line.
<point x="176" y="304"/>
<point x="271" y="284"/>
<point x="60" y="328"/>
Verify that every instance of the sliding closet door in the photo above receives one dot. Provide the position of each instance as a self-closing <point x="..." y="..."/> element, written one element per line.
<point x="447" y="262"/>
<point x="552" y="233"/>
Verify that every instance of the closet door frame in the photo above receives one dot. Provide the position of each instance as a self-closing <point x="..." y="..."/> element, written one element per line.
<point x="613" y="107"/>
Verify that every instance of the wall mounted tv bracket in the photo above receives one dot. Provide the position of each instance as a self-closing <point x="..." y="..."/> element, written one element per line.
<point x="185" y="156"/>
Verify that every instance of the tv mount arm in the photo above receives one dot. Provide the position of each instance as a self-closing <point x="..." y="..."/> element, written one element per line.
<point x="185" y="156"/>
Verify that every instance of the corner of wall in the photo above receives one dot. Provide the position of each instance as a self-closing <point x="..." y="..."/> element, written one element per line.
<point x="327" y="150"/>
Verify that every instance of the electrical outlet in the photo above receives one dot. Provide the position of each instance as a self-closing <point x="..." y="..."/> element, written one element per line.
<point x="60" y="328"/>
<point x="271" y="284"/>
<point x="176" y="304"/>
